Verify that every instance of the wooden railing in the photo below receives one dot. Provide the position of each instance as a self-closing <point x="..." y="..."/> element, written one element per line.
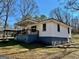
<point x="24" y="32"/>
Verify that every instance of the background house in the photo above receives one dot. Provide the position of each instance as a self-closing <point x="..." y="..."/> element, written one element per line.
<point x="7" y="33"/>
<point x="1" y="32"/>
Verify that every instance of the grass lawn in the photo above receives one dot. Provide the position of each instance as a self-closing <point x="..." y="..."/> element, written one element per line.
<point x="75" y="38"/>
<point x="14" y="44"/>
<point x="16" y="50"/>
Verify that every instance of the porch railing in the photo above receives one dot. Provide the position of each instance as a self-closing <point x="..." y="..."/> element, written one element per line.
<point x="27" y="32"/>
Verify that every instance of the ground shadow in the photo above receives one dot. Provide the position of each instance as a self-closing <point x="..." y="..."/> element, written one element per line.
<point x="22" y="44"/>
<point x="5" y="43"/>
<point x="33" y="45"/>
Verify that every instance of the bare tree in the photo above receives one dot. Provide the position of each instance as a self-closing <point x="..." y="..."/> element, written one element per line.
<point x="75" y="25"/>
<point x="27" y="7"/>
<point x="67" y="18"/>
<point x="74" y="5"/>
<point x="61" y="15"/>
<point x="2" y="6"/>
<point x="6" y="9"/>
<point x="56" y="14"/>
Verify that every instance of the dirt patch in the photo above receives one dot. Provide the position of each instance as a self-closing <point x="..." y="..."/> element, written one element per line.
<point x="43" y="54"/>
<point x="38" y="53"/>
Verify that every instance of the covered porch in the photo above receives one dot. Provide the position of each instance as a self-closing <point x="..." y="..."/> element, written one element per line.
<point x="28" y="32"/>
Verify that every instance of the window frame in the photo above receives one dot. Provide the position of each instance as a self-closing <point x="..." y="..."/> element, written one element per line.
<point x="44" y="27"/>
<point x="68" y="30"/>
<point x="58" y="27"/>
<point x="33" y="28"/>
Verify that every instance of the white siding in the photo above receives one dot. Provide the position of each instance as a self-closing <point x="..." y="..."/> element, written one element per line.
<point x="51" y="30"/>
<point x="44" y="33"/>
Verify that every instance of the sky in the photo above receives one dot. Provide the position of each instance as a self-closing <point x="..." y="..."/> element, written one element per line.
<point x="44" y="6"/>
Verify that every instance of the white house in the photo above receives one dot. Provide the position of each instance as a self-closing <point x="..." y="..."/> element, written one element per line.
<point x="49" y="31"/>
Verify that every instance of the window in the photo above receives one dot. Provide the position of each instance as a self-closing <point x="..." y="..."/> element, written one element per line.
<point x="58" y="28"/>
<point x="33" y="28"/>
<point x="68" y="30"/>
<point x="44" y="27"/>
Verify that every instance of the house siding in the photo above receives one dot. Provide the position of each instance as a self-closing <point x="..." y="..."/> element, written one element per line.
<point x="51" y="30"/>
<point x="52" y="40"/>
<point x="27" y="38"/>
<point x="50" y="36"/>
<point x="45" y="40"/>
